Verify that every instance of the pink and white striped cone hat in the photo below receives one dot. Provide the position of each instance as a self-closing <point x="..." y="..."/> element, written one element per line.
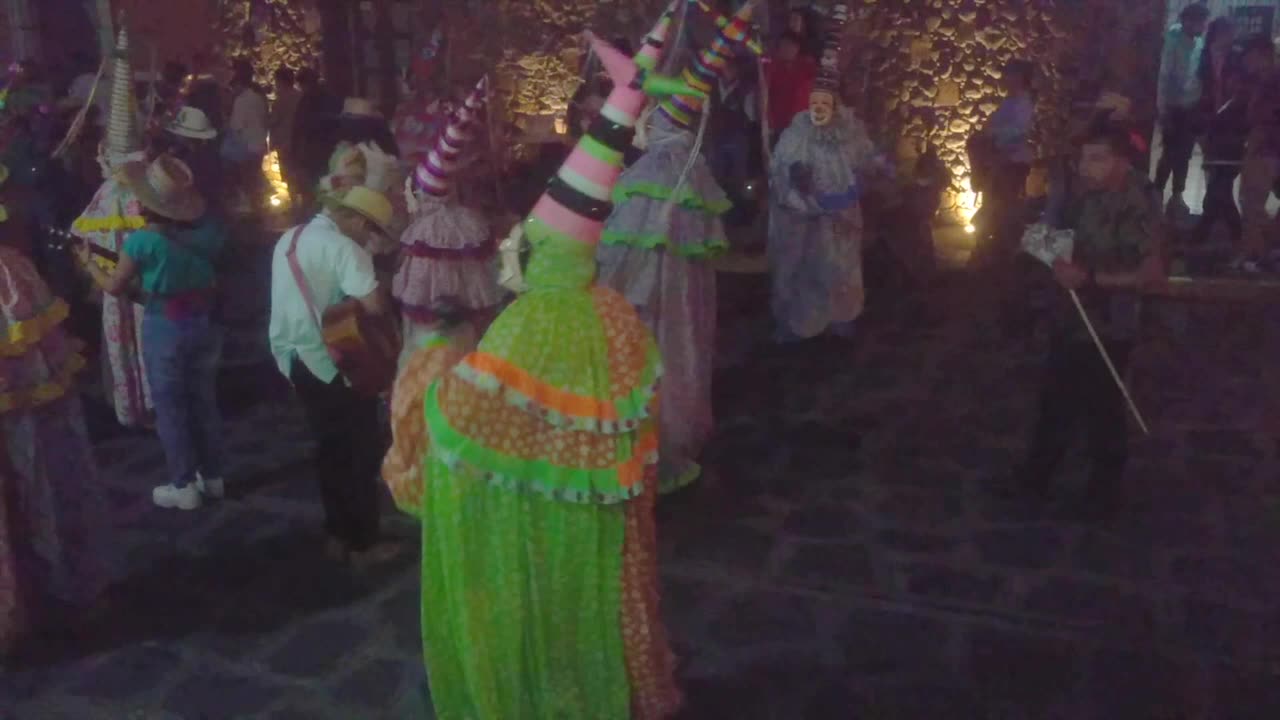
<point x="432" y="174"/>
<point x="578" y="198"/>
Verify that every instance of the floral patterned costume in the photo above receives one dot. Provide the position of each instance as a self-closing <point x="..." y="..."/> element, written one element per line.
<point x="113" y="213"/>
<point x="51" y="508"/>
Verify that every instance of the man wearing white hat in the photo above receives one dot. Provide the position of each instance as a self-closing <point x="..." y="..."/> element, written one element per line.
<point x="191" y="138"/>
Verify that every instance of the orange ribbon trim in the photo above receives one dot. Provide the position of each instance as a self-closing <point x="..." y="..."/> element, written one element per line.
<point x="540" y="392"/>
<point x="632" y="471"/>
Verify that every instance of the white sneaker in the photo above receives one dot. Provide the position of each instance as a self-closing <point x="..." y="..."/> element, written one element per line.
<point x="213" y="487"/>
<point x="168" y="496"/>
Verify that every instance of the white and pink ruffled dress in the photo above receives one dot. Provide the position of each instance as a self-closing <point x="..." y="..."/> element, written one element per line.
<point x="448" y="253"/>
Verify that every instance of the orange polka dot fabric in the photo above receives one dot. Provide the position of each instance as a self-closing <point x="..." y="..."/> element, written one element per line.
<point x="575" y="358"/>
<point x="402" y="466"/>
<point x="490" y="421"/>
<point x="651" y="664"/>
<point x="627" y="339"/>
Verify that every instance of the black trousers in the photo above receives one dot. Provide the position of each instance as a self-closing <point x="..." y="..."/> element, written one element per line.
<point x="1178" y="134"/>
<point x="1000" y="220"/>
<point x="1078" y="391"/>
<point x="1220" y="205"/>
<point x="348" y="455"/>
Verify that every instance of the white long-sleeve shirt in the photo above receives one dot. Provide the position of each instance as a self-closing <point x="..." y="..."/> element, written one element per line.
<point x="249" y="120"/>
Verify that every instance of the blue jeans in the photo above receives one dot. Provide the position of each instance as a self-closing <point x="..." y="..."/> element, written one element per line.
<point x="181" y="359"/>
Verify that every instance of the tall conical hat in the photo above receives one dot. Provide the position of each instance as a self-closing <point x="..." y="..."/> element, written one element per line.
<point x="577" y="200"/>
<point x="121" y="139"/>
<point x="654" y="43"/>
<point x="753" y="41"/>
<point x="432" y="175"/>
<point x="705" y="70"/>
<point x="828" y="79"/>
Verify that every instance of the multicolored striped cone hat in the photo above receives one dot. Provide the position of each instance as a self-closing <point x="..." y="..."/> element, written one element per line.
<point x="432" y="174"/>
<point x="655" y="42"/>
<point x="577" y="200"/>
<point x="753" y="41"/>
<point x="705" y="70"/>
<point x="121" y="139"/>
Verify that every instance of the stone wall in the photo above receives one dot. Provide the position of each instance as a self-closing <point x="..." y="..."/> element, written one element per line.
<point x="534" y="48"/>
<point x="932" y="68"/>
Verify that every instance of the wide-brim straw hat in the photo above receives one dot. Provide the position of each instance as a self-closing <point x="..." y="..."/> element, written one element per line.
<point x="371" y="204"/>
<point x="166" y="187"/>
<point x="192" y="123"/>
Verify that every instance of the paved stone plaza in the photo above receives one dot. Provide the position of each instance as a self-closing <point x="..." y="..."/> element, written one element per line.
<point x="846" y="561"/>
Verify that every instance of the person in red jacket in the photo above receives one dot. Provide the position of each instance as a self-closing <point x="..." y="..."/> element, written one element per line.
<point x="789" y="75"/>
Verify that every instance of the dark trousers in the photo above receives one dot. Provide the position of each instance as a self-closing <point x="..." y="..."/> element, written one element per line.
<point x="1000" y="220"/>
<point x="1220" y="205"/>
<point x="1079" y="391"/>
<point x="1178" y="133"/>
<point x="348" y="455"/>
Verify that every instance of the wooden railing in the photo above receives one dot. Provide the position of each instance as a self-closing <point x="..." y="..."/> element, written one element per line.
<point x="1220" y="289"/>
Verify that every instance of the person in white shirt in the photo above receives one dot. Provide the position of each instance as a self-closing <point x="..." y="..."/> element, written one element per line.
<point x="329" y="253"/>
<point x="246" y="139"/>
<point x="284" y="111"/>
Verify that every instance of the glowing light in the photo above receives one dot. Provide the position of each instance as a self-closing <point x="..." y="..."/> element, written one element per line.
<point x="279" y="197"/>
<point x="562" y="127"/>
<point x="967" y="203"/>
<point x="970" y="229"/>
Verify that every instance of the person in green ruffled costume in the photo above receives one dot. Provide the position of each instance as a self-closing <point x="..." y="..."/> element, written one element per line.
<point x="539" y="558"/>
<point x="657" y="246"/>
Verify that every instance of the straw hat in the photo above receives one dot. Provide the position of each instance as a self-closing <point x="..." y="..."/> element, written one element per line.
<point x="359" y="107"/>
<point x="191" y="122"/>
<point x="165" y="187"/>
<point x="373" y="205"/>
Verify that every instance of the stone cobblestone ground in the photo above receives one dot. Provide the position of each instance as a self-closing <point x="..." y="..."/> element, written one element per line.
<point x="847" y="561"/>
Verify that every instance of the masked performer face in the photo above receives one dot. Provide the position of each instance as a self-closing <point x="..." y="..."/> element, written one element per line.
<point x="822" y="107"/>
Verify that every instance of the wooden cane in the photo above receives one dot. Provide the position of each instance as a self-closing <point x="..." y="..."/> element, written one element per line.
<point x="1110" y="366"/>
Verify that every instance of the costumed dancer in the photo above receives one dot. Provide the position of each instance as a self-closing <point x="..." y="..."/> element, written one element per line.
<point x="362" y="134"/>
<point x="420" y="118"/>
<point x="367" y="165"/>
<point x="448" y="249"/>
<point x="52" y="510"/>
<point x="112" y="214"/>
<point x="815" y="220"/>
<point x="437" y="350"/>
<point x="539" y="565"/>
<point x="664" y="228"/>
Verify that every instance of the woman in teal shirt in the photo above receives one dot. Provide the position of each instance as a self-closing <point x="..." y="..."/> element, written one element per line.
<point x="173" y="259"/>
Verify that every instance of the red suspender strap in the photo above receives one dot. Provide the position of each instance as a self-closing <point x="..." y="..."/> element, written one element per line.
<point x="298" y="277"/>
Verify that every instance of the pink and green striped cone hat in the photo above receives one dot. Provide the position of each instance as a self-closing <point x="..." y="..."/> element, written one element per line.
<point x="432" y="174"/>
<point x="654" y="43"/>
<point x="577" y="200"/>
<point x="705" y="70"/>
